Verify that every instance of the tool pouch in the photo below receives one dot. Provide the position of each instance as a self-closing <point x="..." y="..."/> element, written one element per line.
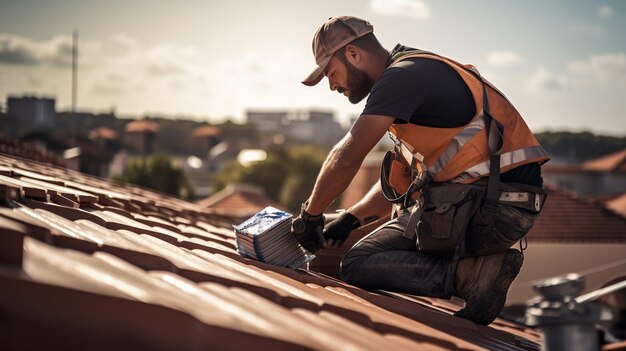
<point x="446" y="214"/>
<point x="399" y="173"/>
<point x="395" y="178"/>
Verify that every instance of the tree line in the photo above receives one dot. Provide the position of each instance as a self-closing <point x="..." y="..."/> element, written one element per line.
<point x="579" y="147"/>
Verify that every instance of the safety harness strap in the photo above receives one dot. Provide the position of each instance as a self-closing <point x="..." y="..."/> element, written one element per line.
<point x="410" y="232"/>
<point x="495" y="141"/>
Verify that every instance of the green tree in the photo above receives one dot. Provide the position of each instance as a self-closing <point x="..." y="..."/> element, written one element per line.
<point x="304" y="165"/>
<point x="579" y="147"/>
<point x="286" y="176"/>
<point x="268" y="175"/>
<point x="157" y="172"/>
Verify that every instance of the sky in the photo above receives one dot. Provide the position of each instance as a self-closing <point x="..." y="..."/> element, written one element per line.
<point x="562" y="62"/>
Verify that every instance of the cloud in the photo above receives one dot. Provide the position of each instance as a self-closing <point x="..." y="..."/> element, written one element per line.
<point x="605" y="71"/>
<point x="17" y="50"/>
<point x="545" y="80"/>
<point x="605" y="11"/>
<point x="23" y="51"/>
<point x="591" y="95"/>
<point x="168" y="59"/>
<point x="415" y="9"/>
<point x="120" y="45"/>
<point x="112" y="84"/>
<point x="601" y="67"/>
<point x="59" y="51"/>
<point x="258" y="80"/>
<point x="504" y="58"/>
<point x="600" y="72"/>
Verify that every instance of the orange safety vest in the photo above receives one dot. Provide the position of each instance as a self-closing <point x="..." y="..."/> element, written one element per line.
<point x="461" y="155"/>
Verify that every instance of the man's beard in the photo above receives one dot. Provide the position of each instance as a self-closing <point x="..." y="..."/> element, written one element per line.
<point x="359" y="84"/>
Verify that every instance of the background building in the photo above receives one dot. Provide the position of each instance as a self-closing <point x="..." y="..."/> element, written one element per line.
<point x="32" y="113"/>
<point x="316" y="127"/>
<point x="268" y="121"/>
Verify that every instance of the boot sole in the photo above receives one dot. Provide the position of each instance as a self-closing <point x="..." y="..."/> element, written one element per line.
<point x="487" y="309"/>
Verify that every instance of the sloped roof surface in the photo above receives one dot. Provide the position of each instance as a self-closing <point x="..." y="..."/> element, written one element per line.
<point x="10" y="146"/>
<point x="87" y="262"/>
<point x="569" y="217"/>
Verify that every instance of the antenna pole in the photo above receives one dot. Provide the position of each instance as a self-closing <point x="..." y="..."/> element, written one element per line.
<point x="74" y="70"/>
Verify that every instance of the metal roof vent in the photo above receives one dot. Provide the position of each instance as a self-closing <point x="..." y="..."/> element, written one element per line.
<point x="565" y="323"/>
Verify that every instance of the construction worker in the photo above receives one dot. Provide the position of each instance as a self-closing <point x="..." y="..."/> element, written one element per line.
<point x="465" y="173"/>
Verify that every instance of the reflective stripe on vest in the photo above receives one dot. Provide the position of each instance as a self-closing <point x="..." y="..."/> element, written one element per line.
<point x="506" y="159"/>
<point x="459" y="140"/>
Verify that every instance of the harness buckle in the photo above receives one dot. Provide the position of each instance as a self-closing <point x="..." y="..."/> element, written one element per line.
<point x="538" y="202"/>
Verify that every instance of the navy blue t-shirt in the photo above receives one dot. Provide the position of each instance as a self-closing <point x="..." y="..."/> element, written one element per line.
<point x="430" y="93"/>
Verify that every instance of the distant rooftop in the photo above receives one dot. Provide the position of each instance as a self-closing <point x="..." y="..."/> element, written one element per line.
<point x="615" y="162"/>
<point x="102" y="133"/>
<point x="206" y="131"/>
<point x="142" y="126"/>
<point x="238" y="200"/>
<point x="570" y="217"/>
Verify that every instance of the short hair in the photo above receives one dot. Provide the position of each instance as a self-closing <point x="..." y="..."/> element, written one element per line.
<point x="368" y="43"/>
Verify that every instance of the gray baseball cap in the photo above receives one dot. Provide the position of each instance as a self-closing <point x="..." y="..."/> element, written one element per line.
<point x="334" y="34"/>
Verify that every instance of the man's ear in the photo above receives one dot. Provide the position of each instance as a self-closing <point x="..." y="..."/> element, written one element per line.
<point x="353" y="54"/>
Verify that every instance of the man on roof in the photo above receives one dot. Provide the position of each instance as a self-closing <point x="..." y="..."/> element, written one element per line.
<point x="463" y="182"/>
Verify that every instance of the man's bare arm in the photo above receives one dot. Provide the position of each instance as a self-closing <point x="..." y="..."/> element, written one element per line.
<point x="345" y="159"/>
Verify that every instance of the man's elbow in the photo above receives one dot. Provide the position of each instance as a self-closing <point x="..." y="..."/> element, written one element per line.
<point x="344" y="155"/>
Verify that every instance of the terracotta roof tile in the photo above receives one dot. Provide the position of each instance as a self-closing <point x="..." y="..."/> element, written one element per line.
<point x="16" y="148"/>
<point x="161" y="273"/>
<point x="618" y="204"/>
<point x="615" y="162"/>
<point x="569" y="217"/>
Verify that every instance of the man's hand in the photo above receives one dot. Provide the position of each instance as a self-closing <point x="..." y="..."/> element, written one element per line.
<point x="308" y="230"/>
<point x="338" y="230"/>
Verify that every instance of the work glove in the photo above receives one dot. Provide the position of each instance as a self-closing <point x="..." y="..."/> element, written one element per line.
<point x="338" y="230"/>
<point x="308" y="230"/>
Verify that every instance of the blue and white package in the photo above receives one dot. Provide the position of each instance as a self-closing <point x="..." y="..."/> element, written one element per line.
<point x="262" y="221"/>
<point x="266" y="237"/>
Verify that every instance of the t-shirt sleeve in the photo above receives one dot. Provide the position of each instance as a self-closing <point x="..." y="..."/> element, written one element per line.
<point x="397" y="93"/>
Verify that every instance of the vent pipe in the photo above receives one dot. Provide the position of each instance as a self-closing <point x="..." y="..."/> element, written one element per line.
<point x="565" y="323"/>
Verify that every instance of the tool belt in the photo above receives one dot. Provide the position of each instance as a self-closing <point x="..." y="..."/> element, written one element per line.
<point x="438" y="219"/>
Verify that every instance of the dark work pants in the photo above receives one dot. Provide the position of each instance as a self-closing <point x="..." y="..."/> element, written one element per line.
<point x="386" y="260"/>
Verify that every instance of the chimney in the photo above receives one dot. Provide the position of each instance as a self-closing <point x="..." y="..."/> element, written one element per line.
<point x="565" y="323"/>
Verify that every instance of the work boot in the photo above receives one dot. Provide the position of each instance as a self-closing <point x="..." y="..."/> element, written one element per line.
<point x="483" y="282"/>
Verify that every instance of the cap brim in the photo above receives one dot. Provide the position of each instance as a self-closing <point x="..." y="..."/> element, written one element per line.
<point x="317" y="74"/>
